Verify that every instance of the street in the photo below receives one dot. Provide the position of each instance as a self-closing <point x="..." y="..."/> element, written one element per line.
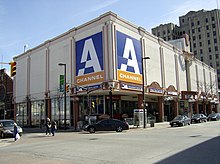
<point x="197" y="143"/>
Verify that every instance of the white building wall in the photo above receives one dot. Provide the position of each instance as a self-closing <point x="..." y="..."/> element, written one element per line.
<point x="21" y="80"/>
<point x="154" y="63"/>
<point x="182" y="73"/>
<point x="193" y="76"/>
<point x="38" y="74"/>
<point x="59" y="53"/>
<point x="201" y="79"/>
<point x="169" y="69"/>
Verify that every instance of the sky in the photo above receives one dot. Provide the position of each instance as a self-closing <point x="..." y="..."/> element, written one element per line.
<point x="32" y="22"/>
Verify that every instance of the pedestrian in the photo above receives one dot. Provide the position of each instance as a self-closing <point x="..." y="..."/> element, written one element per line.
<point x="16" y="135"/>
<point x="48" y="126"/>
<point x="136" y="121"/>
<point x="53" y="127"/>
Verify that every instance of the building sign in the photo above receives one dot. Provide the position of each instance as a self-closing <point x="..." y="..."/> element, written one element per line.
<point x="172" y="93"/>
<point x="89" y="60"/>
<point x="131" y="87"/>
<point x="129" y="59"/>
<point x="154" y="90"/>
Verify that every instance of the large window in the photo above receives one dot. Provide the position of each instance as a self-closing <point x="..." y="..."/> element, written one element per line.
<point x="21" y="115"/>
<point x="37" y="113"/>
<point x="57" y="110"/>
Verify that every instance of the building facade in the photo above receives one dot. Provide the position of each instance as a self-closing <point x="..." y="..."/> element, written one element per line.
<point x="105" y="66"/>
<point x="204" y="34"/>
<point x="6" y="96"/>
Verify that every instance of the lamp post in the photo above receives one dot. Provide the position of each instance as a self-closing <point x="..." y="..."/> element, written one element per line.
<point x="25" y="47"/>
<point x="143" y="91"/>
<point x="64" y="65"/>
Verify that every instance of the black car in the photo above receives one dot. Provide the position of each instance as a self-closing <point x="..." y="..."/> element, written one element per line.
<point x="7" y="128"/>
<point x="180" y="120"/>
<point x="213" y="117"/>
<point x="107" y="125"/>
<point x="198" y="118"/>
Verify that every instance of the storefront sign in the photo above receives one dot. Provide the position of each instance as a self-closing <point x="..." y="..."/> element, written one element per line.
<point x="89" y="88"/>
<point x="129" y="59"/>
<point x="89" y="60"/>
<point x="172" y="93"/>
<point x="154" y="90"/>
<point x="131" y="87"/>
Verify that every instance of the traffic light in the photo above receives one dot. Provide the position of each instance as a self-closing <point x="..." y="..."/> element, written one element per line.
<point x="93" y="104"/>
<point x="110" y="92"/>
<point x="13" y="68"/>
<point x="67" y="87"/>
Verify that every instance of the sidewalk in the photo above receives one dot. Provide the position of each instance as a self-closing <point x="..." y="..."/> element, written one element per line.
<point x="71" y="129"/>
<point x="156" y="125"/>
<point x="42" y="130"/>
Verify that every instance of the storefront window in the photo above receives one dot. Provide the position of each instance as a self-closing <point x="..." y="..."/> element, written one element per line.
<point x="57" y="111"/>
<point x="37" y="113"/>
<point x="21" y="115"/>
<point x="93" y="105"/>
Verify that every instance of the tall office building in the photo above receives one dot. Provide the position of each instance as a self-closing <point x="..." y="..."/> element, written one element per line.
<point x="203" y="29"/>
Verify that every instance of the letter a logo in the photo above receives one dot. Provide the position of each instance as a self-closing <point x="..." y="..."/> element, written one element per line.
<point x="129" y="59"/>
<point x="89" y="60"/>
<point x="93" y="62"/>
<point x="89" y="55"/>
<point x="129" y="51"/>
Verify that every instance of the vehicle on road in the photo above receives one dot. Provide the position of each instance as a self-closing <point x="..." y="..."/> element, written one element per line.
<point x="180" y="120"/>
<point x="107" y="125"/>
<point x="7" y="128"/>
<point x="214" y="117"/>
<point x="198" y="118"/>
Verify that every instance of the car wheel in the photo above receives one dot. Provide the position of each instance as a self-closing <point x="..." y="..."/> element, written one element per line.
<point x="2" y="135"/>
<point x="91" y="130"/>
<point x="189" y="123"/>
<point x="171" y="125"/>
<point x="119" y="129"/>
<point x="20" y="134"/>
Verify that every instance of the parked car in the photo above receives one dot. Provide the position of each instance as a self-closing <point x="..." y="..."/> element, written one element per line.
<point x="7" y="128"/>
<point x="180" y="120"/>
<point x="198" y="118"/>
<point x="107" y="125"/>
<point x="213" y="117"/>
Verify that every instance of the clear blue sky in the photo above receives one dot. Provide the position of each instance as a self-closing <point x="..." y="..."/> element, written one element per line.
<point x="32" y="22"/>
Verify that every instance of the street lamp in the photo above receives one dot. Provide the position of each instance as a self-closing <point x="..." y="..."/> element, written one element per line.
<point x="25" y="47"/>
<point x="143" y="91"/>
<point x="64" y="65"/>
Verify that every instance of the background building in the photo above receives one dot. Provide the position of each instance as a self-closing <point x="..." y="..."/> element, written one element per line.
<point x="6" y="96"/>
<point x="204" y="35"/>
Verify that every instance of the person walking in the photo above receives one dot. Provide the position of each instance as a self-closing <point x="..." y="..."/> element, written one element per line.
<point x="48" y="126"/>
<point x="53" y="127"/>
<point x="16" y="135"/>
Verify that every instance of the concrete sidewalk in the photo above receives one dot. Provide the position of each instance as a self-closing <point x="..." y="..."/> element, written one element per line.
<point x="71" y="129"/>
<point x="43" y="130"/>
<point x="155" y="125"/>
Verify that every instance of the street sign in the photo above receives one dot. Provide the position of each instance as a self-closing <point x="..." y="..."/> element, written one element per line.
<point x="62" y="87"/>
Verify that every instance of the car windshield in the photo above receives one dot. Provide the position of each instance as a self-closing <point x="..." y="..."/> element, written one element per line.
<point x="7" y="123"/>
<point x="178" y="118"/>
<point x="196" y="115"/>
<point x="213" y="114"/>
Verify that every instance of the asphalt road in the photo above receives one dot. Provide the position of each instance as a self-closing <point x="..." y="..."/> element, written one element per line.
<point x="197" y="143"/>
